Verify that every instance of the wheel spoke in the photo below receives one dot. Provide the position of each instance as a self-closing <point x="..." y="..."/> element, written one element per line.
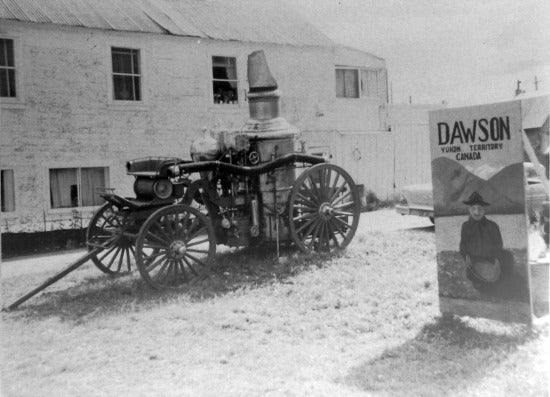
<point x="311" y="221"/>
<point x="196" y="259"/>
<point x="337" y="227"/>
<point x="320" y="185"/>
<point x="111" y="249"/>
<point x="197" y="251"/>
<point x="197" y="242"/>
<point x="182" y="268"/>
<point x="315" y="191"/>
<point x="157" y="228"/>
<point x="164" y="243"/>
<point x="106" y="230"/>
<point x="342" y="223"/>
<point x="112" y="260"/>
<point x="154" y="255"/>
<point x="128" y="259"/>
<point x="105" y="244"/>
<point x="190" y="266"/>
<point x="165" y="265"/>
<point x="302" y="217"/>
<point x="306" y="201"/>
<point x="341" y="198"/>
<point x="303" y="208"/>
<point x="184" y="222"/>
<point x="321" y="238"/>
<point x="120" y="260"/>
<point x="333" y="187"/>
<point x="343" y="213"/>
<point x="174" y="246"/>
<point x="344" y="205"/>
<point x="197" y="233"/>
<point x="151" y="266"/>
<point x="149" y="245"/>
<point x="315" y="231"/>
<point x="322" y="181"/>
<point x="337" y="193"/>
<point x="331" y="234"/>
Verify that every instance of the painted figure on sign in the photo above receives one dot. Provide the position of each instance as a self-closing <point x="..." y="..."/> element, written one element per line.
<point x="481" y="244"/>
<point x="488" y="265"/>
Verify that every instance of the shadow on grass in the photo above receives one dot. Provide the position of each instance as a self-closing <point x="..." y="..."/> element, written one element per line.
<point x="232" y="270"/>
<point x="424" y="229"/>
<point x="446" y="357"/>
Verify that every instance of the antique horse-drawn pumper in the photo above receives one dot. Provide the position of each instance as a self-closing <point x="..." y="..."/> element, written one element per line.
<point x="240" y="188"/>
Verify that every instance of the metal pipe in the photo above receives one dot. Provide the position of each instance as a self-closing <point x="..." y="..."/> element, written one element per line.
<point x="202" y="166"/>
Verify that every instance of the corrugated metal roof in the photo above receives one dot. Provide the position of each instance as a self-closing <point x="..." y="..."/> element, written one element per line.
<point x="240" y="20"/>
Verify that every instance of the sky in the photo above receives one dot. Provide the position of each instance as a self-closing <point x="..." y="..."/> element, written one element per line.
<point x="463" y="52"/>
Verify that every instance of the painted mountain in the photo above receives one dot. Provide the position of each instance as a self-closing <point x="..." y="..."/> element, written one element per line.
<point x="453" y="184"/>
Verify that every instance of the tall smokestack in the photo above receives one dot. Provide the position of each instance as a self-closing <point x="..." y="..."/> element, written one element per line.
<point x="263" y="99"/>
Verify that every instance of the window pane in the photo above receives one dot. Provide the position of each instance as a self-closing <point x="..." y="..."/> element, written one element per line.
<point x="351" y="86"/>
<point x="6" y="52"/>
<point x="225" y="92"/>
<point x="127" y="88"/>
<point x="137" y="89"/>
<point x="90" y="179"/>
<point x="218" y="61"/>
<point x="4" y="83"/>
<point x="340" y="87"/>
<point x="219" y="72"/>
<point x="63" y="188"/>
<point x="135" y="63"/>
<point x="122" y="87"/>
<point x="8" y="191"/>
<point x="225" y="84"/>
<point x="122" y="63"/>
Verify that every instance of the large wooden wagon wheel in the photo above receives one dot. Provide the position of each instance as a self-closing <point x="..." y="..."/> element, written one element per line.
<point x="108" y="229"/>
<point x="176" y="245"/>
<point x="324" y="209"/>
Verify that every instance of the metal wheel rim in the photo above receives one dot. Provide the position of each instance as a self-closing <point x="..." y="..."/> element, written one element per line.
<point x="175" y="247"/>
<point x="324" y="209"/>
<point x="105" y="229"/>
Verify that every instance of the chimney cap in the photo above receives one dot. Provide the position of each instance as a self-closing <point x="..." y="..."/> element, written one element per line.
<point x="259" y="76"/>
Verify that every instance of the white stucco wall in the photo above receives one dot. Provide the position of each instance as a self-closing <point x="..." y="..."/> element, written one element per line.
<point x="64" y="115"/>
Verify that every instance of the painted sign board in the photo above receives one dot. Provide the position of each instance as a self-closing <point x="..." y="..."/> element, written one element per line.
<point x="479" y="207"/>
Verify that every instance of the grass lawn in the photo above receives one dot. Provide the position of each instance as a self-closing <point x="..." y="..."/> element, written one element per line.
<point x="364" y="322"/>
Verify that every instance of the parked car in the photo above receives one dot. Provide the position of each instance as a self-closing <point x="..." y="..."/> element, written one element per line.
<point x="418" y="199"/>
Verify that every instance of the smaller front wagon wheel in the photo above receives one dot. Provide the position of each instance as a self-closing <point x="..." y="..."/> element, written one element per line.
<point x="175" y="246"/>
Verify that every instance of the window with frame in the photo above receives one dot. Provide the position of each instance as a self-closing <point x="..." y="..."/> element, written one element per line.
<point x="224" y="80"/>
<point x="361" y="83"/>
<point x="7" y="69"/>
<point x="126" y="74"/>
<point x="8" y="191"/>
<point x="76" y="187"/>
<point x="347" y="83"/>
<point x="373" y="83"/>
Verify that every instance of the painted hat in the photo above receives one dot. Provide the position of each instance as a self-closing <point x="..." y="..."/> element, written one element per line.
<point x="486" y="271"/>
<point x="475" y="198"/>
